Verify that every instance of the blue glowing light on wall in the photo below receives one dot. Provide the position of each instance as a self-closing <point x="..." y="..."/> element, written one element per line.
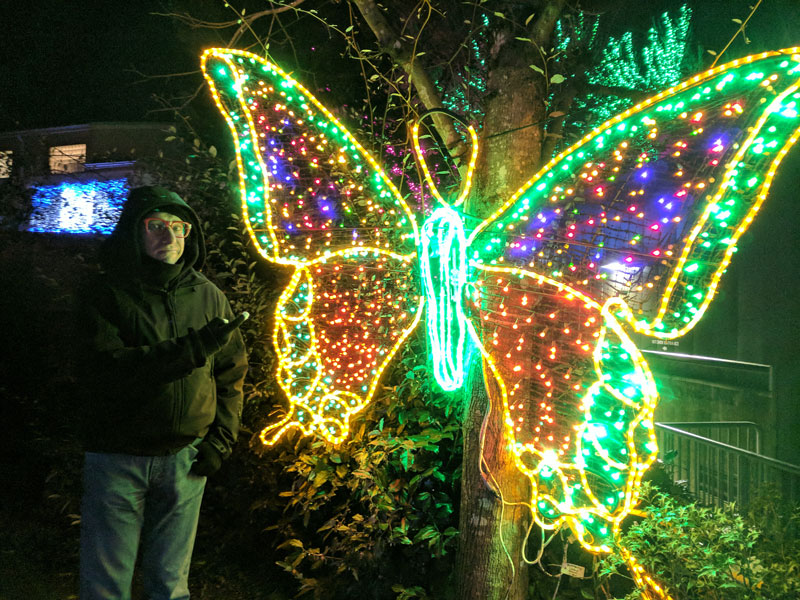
<point x="78" y="207"/>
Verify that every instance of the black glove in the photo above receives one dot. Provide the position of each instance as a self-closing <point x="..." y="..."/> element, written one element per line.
<point x="208" y="460"/>
<point x="217" y="333"/>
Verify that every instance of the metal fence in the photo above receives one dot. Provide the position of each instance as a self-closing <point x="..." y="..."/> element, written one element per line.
<point x="716" y="472"/>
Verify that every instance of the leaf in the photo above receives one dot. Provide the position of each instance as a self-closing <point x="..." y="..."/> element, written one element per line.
<point x="739" y="21"/>
<point x="557" y="113"/>
<point x="523" y="39"/>
<point x="537" y="69"/>
<point x="711" y="52"/>
<point x="528" y="20"/>
<point x="557" y="78"/>
<point x="349" y="29"/>
<point x="427" y="532"/>
<point x="499" y="15"/>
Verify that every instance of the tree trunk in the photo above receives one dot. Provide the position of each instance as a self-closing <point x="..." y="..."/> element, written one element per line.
<point x="490" y="565"/>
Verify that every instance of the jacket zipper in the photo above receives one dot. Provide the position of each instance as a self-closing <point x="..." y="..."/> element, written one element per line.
<point x="178" y="395"/>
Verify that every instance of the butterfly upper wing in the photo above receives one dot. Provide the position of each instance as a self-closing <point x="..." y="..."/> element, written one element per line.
<point x="308" y="187"/>
<point x="649" y="206"/>
<point x="314" y="198"/>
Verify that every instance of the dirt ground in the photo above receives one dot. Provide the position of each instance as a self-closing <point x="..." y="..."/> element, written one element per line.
<point x="39" y="561"/>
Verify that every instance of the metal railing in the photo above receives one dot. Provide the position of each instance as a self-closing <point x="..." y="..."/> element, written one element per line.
<point x="716" y="472"/>
<point x="741" y="434"/>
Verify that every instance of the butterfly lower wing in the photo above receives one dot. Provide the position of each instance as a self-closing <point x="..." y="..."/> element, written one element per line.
<point x="577" y="397"/>
<point x="338" y="325"/>
<point x="650" y="205"/>
<point x="314" y="198"/>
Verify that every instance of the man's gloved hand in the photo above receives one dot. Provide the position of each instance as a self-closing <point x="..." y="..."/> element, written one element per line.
<point x="208" y="460"/>
<point x="218" y="331"/>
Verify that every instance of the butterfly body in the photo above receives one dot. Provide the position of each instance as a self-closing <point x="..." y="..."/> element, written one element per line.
<point x="443" y="273"/>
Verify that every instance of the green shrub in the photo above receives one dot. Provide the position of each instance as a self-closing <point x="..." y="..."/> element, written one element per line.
<point x="703" y="553"/>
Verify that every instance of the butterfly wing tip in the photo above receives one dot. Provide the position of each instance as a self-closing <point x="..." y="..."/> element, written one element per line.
<point x="271" y="434"/>
<point x="651" y="589"/>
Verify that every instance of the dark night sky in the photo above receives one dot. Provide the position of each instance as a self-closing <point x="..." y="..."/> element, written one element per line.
<point x="69" y="62"/>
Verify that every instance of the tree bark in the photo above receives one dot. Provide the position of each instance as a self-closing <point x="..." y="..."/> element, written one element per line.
<point x="493" y="524"/>
<point x="493" y="520"/>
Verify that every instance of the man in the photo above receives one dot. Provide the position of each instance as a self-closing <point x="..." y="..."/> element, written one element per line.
<point x="165" y="399"/>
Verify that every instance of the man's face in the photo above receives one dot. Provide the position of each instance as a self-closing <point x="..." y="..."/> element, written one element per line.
<point x="160" y="239"/>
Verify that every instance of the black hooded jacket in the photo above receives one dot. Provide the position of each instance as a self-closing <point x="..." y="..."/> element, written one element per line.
<point x="152" y="389"/>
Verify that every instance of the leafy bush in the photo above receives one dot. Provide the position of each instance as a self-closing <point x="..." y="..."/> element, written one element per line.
<point x="703" y="553"/>
<point x="368" y="517"/>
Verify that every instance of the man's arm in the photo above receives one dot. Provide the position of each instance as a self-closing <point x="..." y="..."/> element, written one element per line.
<point x="230" y="368"/>
<point x="164" y="361"/>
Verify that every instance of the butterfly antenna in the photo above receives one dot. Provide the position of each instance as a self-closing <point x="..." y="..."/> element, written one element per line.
<point x="449" y="153"/>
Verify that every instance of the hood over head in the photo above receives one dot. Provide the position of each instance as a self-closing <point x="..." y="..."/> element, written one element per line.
<point x="123" y="251"/>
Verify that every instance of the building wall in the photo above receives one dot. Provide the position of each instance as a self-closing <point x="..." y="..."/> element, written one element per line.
<point x="756" y="319"/>
<point x="105" y="142"/>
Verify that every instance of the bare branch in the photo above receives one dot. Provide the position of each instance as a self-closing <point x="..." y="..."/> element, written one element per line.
<point x="391" y="43"/>
<point x="738" y="31"/>
<point x="194" y="23"/>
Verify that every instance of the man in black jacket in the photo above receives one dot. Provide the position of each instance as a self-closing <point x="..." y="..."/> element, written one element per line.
<point x="165" y="399"/>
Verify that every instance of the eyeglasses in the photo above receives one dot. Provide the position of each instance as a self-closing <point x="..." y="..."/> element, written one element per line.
<point x="156" y="226"/>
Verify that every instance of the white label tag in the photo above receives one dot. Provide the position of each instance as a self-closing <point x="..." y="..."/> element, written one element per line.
<point x="572" y="570"/>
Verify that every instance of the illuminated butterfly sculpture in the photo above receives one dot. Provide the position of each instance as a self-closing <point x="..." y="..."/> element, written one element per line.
<point x="629" y="230"/>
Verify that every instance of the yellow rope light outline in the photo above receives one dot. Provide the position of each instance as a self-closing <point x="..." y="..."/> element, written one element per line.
<point x="645" y="382"/>
<point x="466" y="185"/>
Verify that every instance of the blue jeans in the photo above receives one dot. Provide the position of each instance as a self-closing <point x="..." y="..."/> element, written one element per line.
<point x="126" y="498"/>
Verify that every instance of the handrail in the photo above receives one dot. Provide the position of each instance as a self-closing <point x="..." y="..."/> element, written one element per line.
<point x="715" y="472"/>
<point x="773" y="462"/>
<point x="719" y="425"/>
<point x="732" y="374"/>
<point x="708" y="423"/>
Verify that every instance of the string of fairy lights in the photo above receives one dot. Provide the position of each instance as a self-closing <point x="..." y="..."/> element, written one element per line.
<point x="628" y="230"/>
